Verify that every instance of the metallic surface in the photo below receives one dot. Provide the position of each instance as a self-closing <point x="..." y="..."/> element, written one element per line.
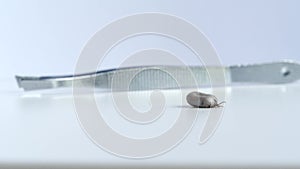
<point x="164" y="77"/>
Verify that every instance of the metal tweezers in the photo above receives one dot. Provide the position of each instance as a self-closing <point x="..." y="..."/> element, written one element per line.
<point x="162" y="77"/>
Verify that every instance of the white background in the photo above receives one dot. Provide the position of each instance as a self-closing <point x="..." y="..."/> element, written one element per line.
<point x="46" y="37"/>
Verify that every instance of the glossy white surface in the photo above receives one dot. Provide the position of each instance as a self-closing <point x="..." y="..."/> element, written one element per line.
<point x="259" y="128"/>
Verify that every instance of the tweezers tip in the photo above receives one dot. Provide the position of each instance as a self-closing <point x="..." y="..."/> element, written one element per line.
<point x="19" y="80"/>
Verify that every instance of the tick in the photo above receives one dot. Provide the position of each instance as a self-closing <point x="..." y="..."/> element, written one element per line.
<point x="203" y="100"/>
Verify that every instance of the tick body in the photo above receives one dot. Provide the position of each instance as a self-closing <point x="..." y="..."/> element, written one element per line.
<point x="202" y="100"/>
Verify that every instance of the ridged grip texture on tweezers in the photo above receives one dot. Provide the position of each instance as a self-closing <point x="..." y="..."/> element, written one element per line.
<point x="133" y="78"/>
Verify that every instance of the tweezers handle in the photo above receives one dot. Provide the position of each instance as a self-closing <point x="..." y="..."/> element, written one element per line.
<point x="169" y="77"/>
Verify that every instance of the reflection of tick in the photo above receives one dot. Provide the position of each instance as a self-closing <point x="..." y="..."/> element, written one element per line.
<point x="203" y="100"/>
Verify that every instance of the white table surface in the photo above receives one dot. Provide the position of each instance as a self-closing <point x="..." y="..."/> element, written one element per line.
<point x="259" y="129"/>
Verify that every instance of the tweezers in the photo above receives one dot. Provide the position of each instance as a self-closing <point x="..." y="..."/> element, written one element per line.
<point x="162" y="77"/>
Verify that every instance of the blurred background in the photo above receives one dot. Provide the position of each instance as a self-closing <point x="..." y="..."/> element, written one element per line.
<point x="46" y="37"/>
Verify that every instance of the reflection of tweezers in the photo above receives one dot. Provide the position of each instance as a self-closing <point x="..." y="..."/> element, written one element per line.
<point x="158" y="77"/>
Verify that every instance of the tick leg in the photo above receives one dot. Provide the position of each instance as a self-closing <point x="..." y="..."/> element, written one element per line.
<point x="221" y="104"/>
